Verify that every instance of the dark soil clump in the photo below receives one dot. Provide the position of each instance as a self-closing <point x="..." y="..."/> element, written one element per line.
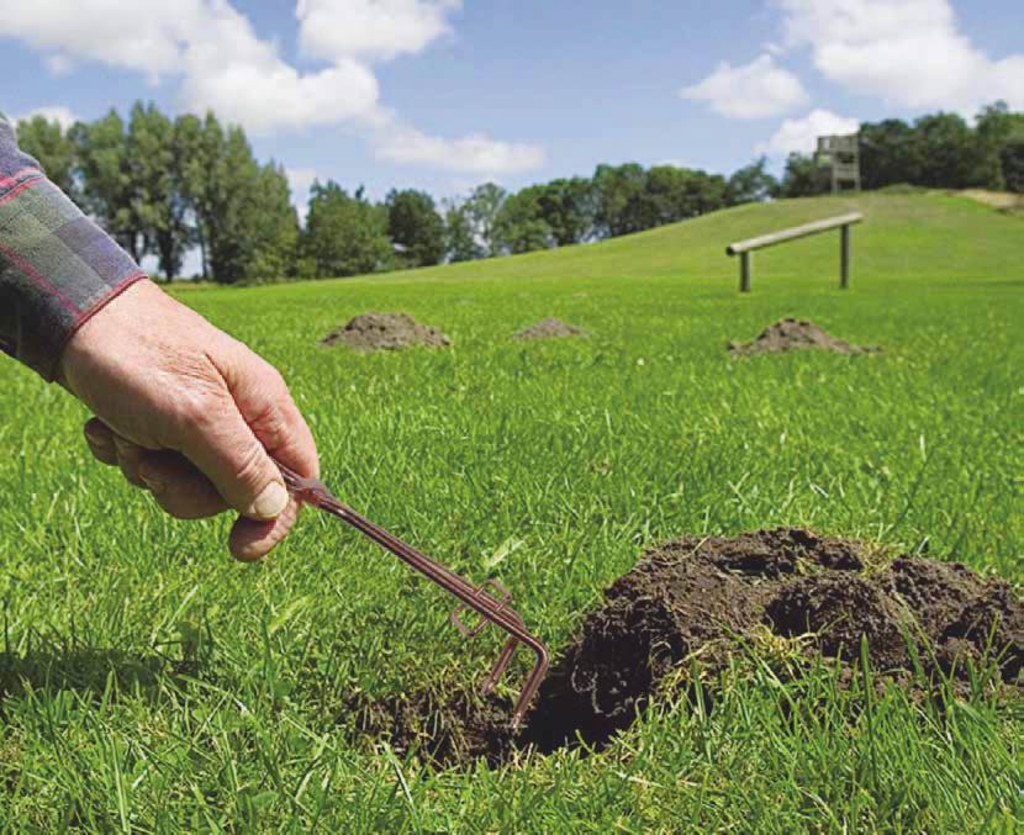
<point x="794" y="335"/>
<point x="385" y="332"/>
<point x="549" y="329"/>
<point x="710" y="595"/>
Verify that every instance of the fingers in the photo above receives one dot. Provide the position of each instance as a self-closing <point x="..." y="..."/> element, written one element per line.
<point x="265" y="403"/>
<point x="100" y="439"/>
<point x="221" y="444"/>
<point x="178" y="487"/>
<point x="251" y="540"/>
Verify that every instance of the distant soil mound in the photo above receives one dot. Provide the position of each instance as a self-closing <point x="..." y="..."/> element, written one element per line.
<point x="923" y="620"/>
<point x="549" y="329"/>
<point x="385" y="332"/>
<point x="794" y="335"/>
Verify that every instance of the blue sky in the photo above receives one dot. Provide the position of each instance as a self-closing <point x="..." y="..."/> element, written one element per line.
<point x="442" y="94"/>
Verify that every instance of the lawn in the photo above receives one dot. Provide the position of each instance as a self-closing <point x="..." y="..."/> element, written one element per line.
<point x="151" y="684"/>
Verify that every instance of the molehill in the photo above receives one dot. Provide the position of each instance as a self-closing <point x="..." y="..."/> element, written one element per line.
<point x="385" y="332"/>
<point x="709" y="595"/>
<point x="795" y="335"/>
<point x="549" y="329"/>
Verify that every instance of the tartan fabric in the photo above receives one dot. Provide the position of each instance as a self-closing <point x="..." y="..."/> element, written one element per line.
<point x="57" y="267"/>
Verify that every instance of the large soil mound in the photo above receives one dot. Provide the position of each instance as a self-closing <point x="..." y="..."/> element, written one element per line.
<point x="385" y="332"/>
<point x="710" y="594"/>
<point x="549" y="329"/>
<point x="793" y="335"/>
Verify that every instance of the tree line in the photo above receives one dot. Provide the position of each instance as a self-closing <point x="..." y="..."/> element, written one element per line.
<point x="163" y="186"/>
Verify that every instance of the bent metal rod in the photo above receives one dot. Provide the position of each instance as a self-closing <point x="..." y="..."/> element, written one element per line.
<point x="480" y="599"/>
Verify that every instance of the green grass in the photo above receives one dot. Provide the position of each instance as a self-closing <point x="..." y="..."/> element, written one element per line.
<point x="152" y="684"/>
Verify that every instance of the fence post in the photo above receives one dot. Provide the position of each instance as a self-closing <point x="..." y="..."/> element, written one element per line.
<point x="844" y="257"/>
<point x="744" y="272"/>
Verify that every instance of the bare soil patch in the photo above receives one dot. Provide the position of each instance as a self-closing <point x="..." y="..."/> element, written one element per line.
<point x="385" y="332"/>
<point x="549" y="329"/>
<point x="921" y="619"/>
<point x="795" y="335"/>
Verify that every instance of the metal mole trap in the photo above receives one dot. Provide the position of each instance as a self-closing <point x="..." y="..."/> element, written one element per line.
<point x="490" y="600"/>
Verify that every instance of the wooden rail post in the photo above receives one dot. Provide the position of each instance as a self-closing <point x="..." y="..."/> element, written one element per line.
<point x="844" y="257"/>
<point x="843" y="223"/>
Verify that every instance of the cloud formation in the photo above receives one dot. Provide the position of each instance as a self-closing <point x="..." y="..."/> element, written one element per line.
<point x="756" y="90"/>
<point x="222" y="64"/>
<point x="801" y="135"/>
<point x="371" y="29"/>
<point x="476" y="154"/>
<point x="907" y="52"/>
<point x="58" y="113"/>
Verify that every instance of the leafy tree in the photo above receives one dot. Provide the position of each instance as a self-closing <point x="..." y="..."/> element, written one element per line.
<point x="995" y="127"/>
<point x="53" y="148"/>
<point x="568" y="207"/>
<point x="519" y="227"/>
<point x="615" y="187"/>
<point x="889" y="153"/>
<point x="415" y="226"/>
<point x="482" y="207"/>
<point x="345" y="234"/>
<point x="460" y="241"/>
<point x="751" y="184"/>
<point x="1011" y="158"/>
<point x="275" y="226"/>
<point x="106" y="179"/>
<point x="805" y="177"/>
<point x="156" y="199"/>
<point x="951" y="157"/>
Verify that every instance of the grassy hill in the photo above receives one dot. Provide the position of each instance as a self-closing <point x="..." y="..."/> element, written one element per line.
<point x="148" y="680"/>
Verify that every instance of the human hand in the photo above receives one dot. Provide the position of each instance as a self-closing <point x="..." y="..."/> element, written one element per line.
<point x="190" y="414"/>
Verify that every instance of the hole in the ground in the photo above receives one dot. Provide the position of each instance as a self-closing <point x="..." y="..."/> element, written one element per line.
<point x="700" y="595"/>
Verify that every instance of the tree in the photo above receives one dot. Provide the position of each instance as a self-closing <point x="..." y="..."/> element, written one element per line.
<point x="996" y="126"/>
<point x="482" y="207"/>
<point x="1012" y="164"/>
<point x="416" y="227"/>
<point x="568" y="206"/>
<point x="345" y="234"/>
<point x="951" y="156"/>
<point x="106" y="180"/>
<point x="274" y="226"/>
<point x="519" y="227"/>
<point x="805" y="177"/>
<point x="156" y="197"/>
<point x="615" y="187"/>
<point x="751" y="184"/>
<point x="460" y="242"/>
<point x="52" y="148"/>
<point x="889" y="153"/>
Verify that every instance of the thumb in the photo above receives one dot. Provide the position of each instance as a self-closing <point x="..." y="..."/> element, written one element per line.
<point x="227" y="451"/>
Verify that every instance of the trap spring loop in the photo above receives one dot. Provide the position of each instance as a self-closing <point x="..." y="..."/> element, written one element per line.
<point x="476" y="598"/>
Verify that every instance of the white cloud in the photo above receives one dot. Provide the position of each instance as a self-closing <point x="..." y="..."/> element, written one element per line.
<point x="131" y="34"/>
<point x="225" y="66"/>
<point x="801" y="135"/>
<point x="477" y="154"/>
<point x="371" y="29"/>
<point x="243" y="79"/>
<point x="908" y="52"/>
<point x="752" y="91"/>
<point x="58" y="113"/>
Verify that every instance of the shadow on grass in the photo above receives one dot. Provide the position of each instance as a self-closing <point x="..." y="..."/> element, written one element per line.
<point x="87" y="670"/>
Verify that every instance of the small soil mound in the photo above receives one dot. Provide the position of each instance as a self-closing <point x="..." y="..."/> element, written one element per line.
<point x="385" y="332"/>
<point x="794" y="335"/>
<point x="709" y="596"/>
<point x="549" y="329"/>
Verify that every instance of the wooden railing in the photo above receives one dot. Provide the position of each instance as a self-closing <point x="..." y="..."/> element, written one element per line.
<point x="842" y="222"/>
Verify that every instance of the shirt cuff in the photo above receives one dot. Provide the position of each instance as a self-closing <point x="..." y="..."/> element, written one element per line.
<point x="58" y="268"/>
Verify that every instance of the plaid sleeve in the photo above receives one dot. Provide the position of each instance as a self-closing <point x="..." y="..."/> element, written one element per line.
<point x="57" y="267"/>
